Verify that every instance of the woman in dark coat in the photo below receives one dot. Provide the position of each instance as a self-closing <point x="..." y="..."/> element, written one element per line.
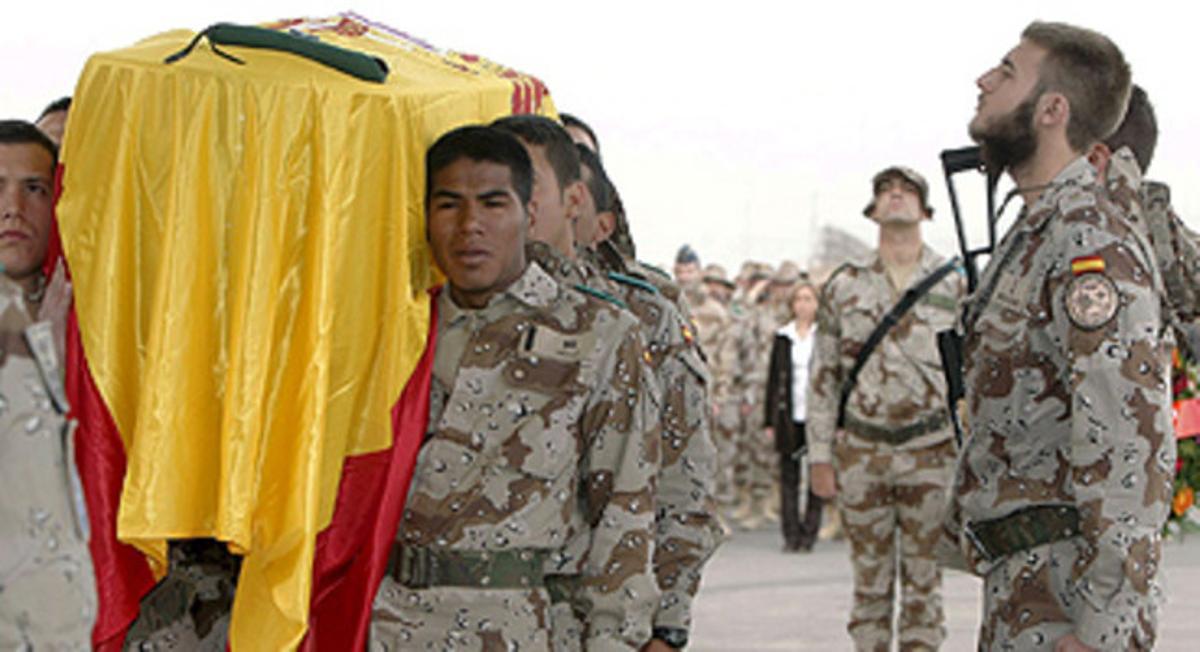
<point x="787" y="384"/>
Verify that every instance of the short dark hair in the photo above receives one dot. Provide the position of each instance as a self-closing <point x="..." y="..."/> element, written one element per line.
<point x="1139" y="129"/>
<point x="19" y="132"/>
<point x="61" y="104"/>
<point x="570" y="120"/>
<point x="537" y="131"/>
<point x="598" y="186"/>
<point x="1090" y="71"/>
<point x="480" y="143"/>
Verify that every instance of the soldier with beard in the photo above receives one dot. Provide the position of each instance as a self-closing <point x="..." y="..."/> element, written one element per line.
<point x="1065" y="477"/>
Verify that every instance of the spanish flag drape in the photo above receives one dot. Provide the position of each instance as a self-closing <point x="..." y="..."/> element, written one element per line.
<point x="247" y="248"/>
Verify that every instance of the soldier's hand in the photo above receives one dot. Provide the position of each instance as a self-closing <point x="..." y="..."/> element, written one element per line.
<point x="1070" y="643"/>
<point x="747" y="408"/>
<point x="656" y="645"/>
<point x="716" y="411"/>
<point x="769" y="432"/>
<point x="824" y="484"/>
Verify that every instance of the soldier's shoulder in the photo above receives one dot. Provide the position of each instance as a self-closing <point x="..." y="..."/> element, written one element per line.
<point x="633" y="282"/>
<point x="596" y="295"/>
<point x="844" y="274"/>
<point x="654" y="270"/>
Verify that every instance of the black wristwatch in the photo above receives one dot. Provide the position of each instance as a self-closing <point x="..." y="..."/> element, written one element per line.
<point x="673" y="636"/>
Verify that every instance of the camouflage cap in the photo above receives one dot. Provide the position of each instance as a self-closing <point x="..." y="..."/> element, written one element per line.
<point x="714" y="273"/>
<point x="787" y="274"/>
<point x="906" y="173"/>
<point x="761" y="271"/>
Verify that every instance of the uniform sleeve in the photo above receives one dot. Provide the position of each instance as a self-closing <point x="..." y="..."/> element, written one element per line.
<point x="687" y="528"/>
<point x="1106" y="317"/>
<point x="825" y="378"/>
<point x="618" y="592"/>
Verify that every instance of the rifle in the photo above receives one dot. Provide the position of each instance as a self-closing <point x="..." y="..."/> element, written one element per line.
<point x="950" y="342"/>
<point x="959" y="160"/>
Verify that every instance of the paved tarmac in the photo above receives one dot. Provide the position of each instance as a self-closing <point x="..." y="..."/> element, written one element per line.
<point x="754" y="597"/>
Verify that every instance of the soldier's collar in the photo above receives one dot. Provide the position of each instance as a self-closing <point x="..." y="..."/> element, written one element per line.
<point x="1079" y="174"/>
<point x="534" y="288"/>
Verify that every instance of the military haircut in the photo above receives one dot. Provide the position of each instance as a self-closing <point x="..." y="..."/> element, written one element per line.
<point x="536" y="131"/>
<point x="479" y="143"/>
<point x="570" y="120"/>
<point x="599" y="184"/>
<point x="61" y="104"/>
<point x="1090" y="71"/>
<point x="622" y="237"/>
<point x="19" y="132"/>
<point x="1139" y="129"/>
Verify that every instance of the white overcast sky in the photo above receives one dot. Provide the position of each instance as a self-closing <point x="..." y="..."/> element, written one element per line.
<point x="738" y="127"/>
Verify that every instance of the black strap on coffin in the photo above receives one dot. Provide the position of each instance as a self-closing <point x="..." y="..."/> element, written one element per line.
<point x="910" y="298"/>
<point x="351" y="62"/>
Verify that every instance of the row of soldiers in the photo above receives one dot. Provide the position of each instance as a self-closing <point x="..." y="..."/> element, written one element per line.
<point x="736" y="321"/>
<point x="563" y="495"/>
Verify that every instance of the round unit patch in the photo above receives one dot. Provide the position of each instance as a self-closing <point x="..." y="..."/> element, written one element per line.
<point x="1092" y="300"/>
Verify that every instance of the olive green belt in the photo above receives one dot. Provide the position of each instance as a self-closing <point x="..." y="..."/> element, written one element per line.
<point x="1023" y="529"/>
<point x="896" y="436"/>
<point x="418" y="567"/>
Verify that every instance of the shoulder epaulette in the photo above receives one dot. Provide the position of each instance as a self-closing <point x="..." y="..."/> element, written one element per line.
<point x="657" y="270"/>
<point x="600" y="294"/>
<point x="625" y="279"/>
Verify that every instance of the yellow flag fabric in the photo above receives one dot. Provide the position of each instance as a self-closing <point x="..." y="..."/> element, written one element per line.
<point x="249" y="261"/>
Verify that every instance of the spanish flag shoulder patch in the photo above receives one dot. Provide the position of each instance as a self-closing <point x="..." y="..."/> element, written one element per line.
<point x="1086" y="265"/>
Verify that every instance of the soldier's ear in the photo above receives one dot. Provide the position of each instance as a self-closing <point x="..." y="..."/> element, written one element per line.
<point x="1052" y="110"/>
<point x="1099" y="156"/>
<point x="606" y="224"/>
<point x="573" y="195"/>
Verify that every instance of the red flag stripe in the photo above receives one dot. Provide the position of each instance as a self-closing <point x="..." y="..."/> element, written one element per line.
<point x="352" y="553"/>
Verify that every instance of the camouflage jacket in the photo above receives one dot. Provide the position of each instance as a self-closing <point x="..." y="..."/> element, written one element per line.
<point x="902" y="381"/>
<point x="1175" y="247"/>
<point x="712" y="333"/>
<point x="47" y="584"/>
<point x="1068" y="400"/>
<point x="538" y="441"/>
<point x="687" y="532"/>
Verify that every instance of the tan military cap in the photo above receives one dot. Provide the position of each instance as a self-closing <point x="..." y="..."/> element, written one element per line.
<point x="906" y="173"/>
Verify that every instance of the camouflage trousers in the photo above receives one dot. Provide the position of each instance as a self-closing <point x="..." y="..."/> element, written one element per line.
<point x="190" y="608"/>
<point x="725" y="440"/>
<point x="754" y="461"/>
<point x="891" y="503"/>
<point x="1030" y="602"/>
<point x="454" y="618"/>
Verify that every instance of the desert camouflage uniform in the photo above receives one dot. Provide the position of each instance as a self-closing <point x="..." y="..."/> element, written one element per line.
<point x="714" y="326"/>
<point x="47" y="585"/>
<point x="189" y="609"/>
<point x="888" y="480"/>
<point x="1068" y="409"/>
<point x="755" y="466"/>
<point x="1175" y="247"/>
<point x="686" y="527"/>
<point x="537" y="463"/>
<point x="688" y="530"/>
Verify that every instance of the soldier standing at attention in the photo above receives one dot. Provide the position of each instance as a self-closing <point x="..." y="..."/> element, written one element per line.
<point x="47" y="585"/>
<point x="888" y="442"/>
<point x="537" y="463"/>
<point x="1065" y="478"/>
